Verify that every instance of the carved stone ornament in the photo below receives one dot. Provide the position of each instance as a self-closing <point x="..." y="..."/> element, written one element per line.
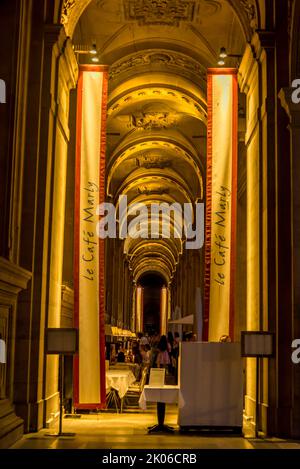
<point x="167" y="12"/>
<point x="209" y="8"/>
<point x="250" y="10"/>
<point x="159" y="59"/>
<point x="154" y="120"/>
<point x="67" y="7"/>
<point x="152" y="161"/>
<point x="158" y="191"/>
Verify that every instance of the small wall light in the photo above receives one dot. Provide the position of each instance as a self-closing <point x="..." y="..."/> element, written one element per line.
<point x="223" y="53"/>
<point x="93" y="50"/>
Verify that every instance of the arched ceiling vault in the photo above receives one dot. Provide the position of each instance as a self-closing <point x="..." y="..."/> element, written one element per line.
<point x="158" y="52"/>
<point x="149" y="266"/>
<point x="249" y="13"/>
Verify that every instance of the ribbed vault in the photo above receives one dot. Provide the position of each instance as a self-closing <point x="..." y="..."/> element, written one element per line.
<point x="158" y="54"/>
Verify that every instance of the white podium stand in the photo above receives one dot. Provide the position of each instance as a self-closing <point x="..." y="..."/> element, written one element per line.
<point x="211" y="384"/>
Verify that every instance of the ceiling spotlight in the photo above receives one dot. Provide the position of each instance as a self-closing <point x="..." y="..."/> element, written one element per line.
<point x="93" y="51"/>
<point x="95" y="59"/>
<point x="223" y="53"/>
<point x="221" y="62"/>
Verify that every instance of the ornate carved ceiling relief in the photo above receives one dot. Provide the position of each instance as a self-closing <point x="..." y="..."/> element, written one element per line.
<point x="154" y="120"/>
<point x="159" y="191"/>
<point x="158" y="52"/>
<point x="169" y="12"/>
<point x="190" y="103"/>
<point x="68" y="5"/>
<point x="170" y="60"/>
<point x="250" y="10"/>
<point x="152" y="161"/>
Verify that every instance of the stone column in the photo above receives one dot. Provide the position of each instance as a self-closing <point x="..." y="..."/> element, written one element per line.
<point x="109" y="270"/>
<point x="293" y="113"/>
<point x="269" y="281"/>
<point x="115" y="282"/>
<point x="120" y="291"/>
<point x="255" y="77"/>
<point x="53" y="72"/>
<point x="133" y="317"/>
<point x="241" y="244"/>
<point x="125" y="293"/>
<point x="15" y="32"/>
<point x="13" y="279"/>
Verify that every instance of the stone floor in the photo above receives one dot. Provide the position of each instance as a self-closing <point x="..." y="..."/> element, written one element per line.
<point x="129" y="431"/>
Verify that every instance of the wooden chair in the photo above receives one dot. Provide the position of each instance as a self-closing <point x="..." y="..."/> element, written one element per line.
<point x="136" y="389"/>
<point x="112" y="399"/>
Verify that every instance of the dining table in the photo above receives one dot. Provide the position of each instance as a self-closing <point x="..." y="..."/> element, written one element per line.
<point x="162" y="395"/>
<point x="119" y="381"/>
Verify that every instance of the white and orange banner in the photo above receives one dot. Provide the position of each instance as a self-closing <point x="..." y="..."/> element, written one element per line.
<point x="139" y="318"/>
<point x="163" y="310"/>
<point x="89" y="366"/>
<point x="221" y="193"/>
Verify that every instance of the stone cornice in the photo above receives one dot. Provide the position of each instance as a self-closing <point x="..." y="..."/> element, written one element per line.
<point x="292" y="109"/>
<point x="13" y="278"/>
<point x="67" y="296"/>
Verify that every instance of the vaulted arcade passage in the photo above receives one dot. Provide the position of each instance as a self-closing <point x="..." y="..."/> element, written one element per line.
<point x="158" y="53"/>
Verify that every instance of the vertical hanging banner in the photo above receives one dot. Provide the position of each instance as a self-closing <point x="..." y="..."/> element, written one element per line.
<point x="163" y="310"/>
<point x="89" y="365"/>
<point x="139" y="309"/>
<point x="221" y="194"/>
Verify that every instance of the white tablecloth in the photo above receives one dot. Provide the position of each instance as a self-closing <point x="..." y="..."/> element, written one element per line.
<point x="135" y="368"/>
<point x="168" y="394"/>
<point x="119" y="380"/>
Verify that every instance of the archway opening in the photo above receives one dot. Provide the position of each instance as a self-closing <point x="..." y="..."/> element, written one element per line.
<point x="152" y="284"/>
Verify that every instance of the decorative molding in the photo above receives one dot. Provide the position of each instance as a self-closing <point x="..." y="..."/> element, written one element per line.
<point x="67" y="306"/>
<point x="67" y="296"/>
<point x="5" y="334"/>
<point x="292" y="109"/>
<point x="250" y="11"/>
<point x="158" y="191"/>
<point x="154" y="120"/>
<point x="209" y="8"/>
<point x="11" y="426"/>
<point x="290" y="18"/>
<point x="13" y="278"/>
<point x="155" y="92"/>
<point x="152" y="160"/>
<point x="166" y="12"/>
<point x="158" y="58"/>
<point x="67" y="7"/>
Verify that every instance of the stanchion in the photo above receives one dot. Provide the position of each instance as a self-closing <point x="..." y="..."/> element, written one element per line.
<point x="259" y="345"/>
<point x="257" y="398"/>
<point x="61" y="402"/>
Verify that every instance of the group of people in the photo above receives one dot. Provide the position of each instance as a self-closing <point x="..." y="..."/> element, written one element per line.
<point x="156" y="350"/>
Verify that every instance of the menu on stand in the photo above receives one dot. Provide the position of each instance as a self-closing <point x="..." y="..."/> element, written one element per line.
<point x="157" y="377"/>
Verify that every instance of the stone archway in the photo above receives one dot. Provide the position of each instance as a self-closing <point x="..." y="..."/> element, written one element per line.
<point x="156" y="123"/>
<point x="250" y="12"/>
<point x="135" y="103"/>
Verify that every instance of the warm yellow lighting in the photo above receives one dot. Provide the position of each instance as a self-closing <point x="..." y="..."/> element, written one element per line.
<point x="221" y="62"/>
<point x="222" y="97"/>
<point x="223" y="53"/>
<point x="139" y="309"/>
<point x="163" y="310"/>
<point x="93" y="51"/>
<point x="95" y="59"/>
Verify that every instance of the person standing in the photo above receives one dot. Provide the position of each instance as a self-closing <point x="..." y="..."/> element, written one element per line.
<point x="163" y="357"/>
<point x="170" y="340"/>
